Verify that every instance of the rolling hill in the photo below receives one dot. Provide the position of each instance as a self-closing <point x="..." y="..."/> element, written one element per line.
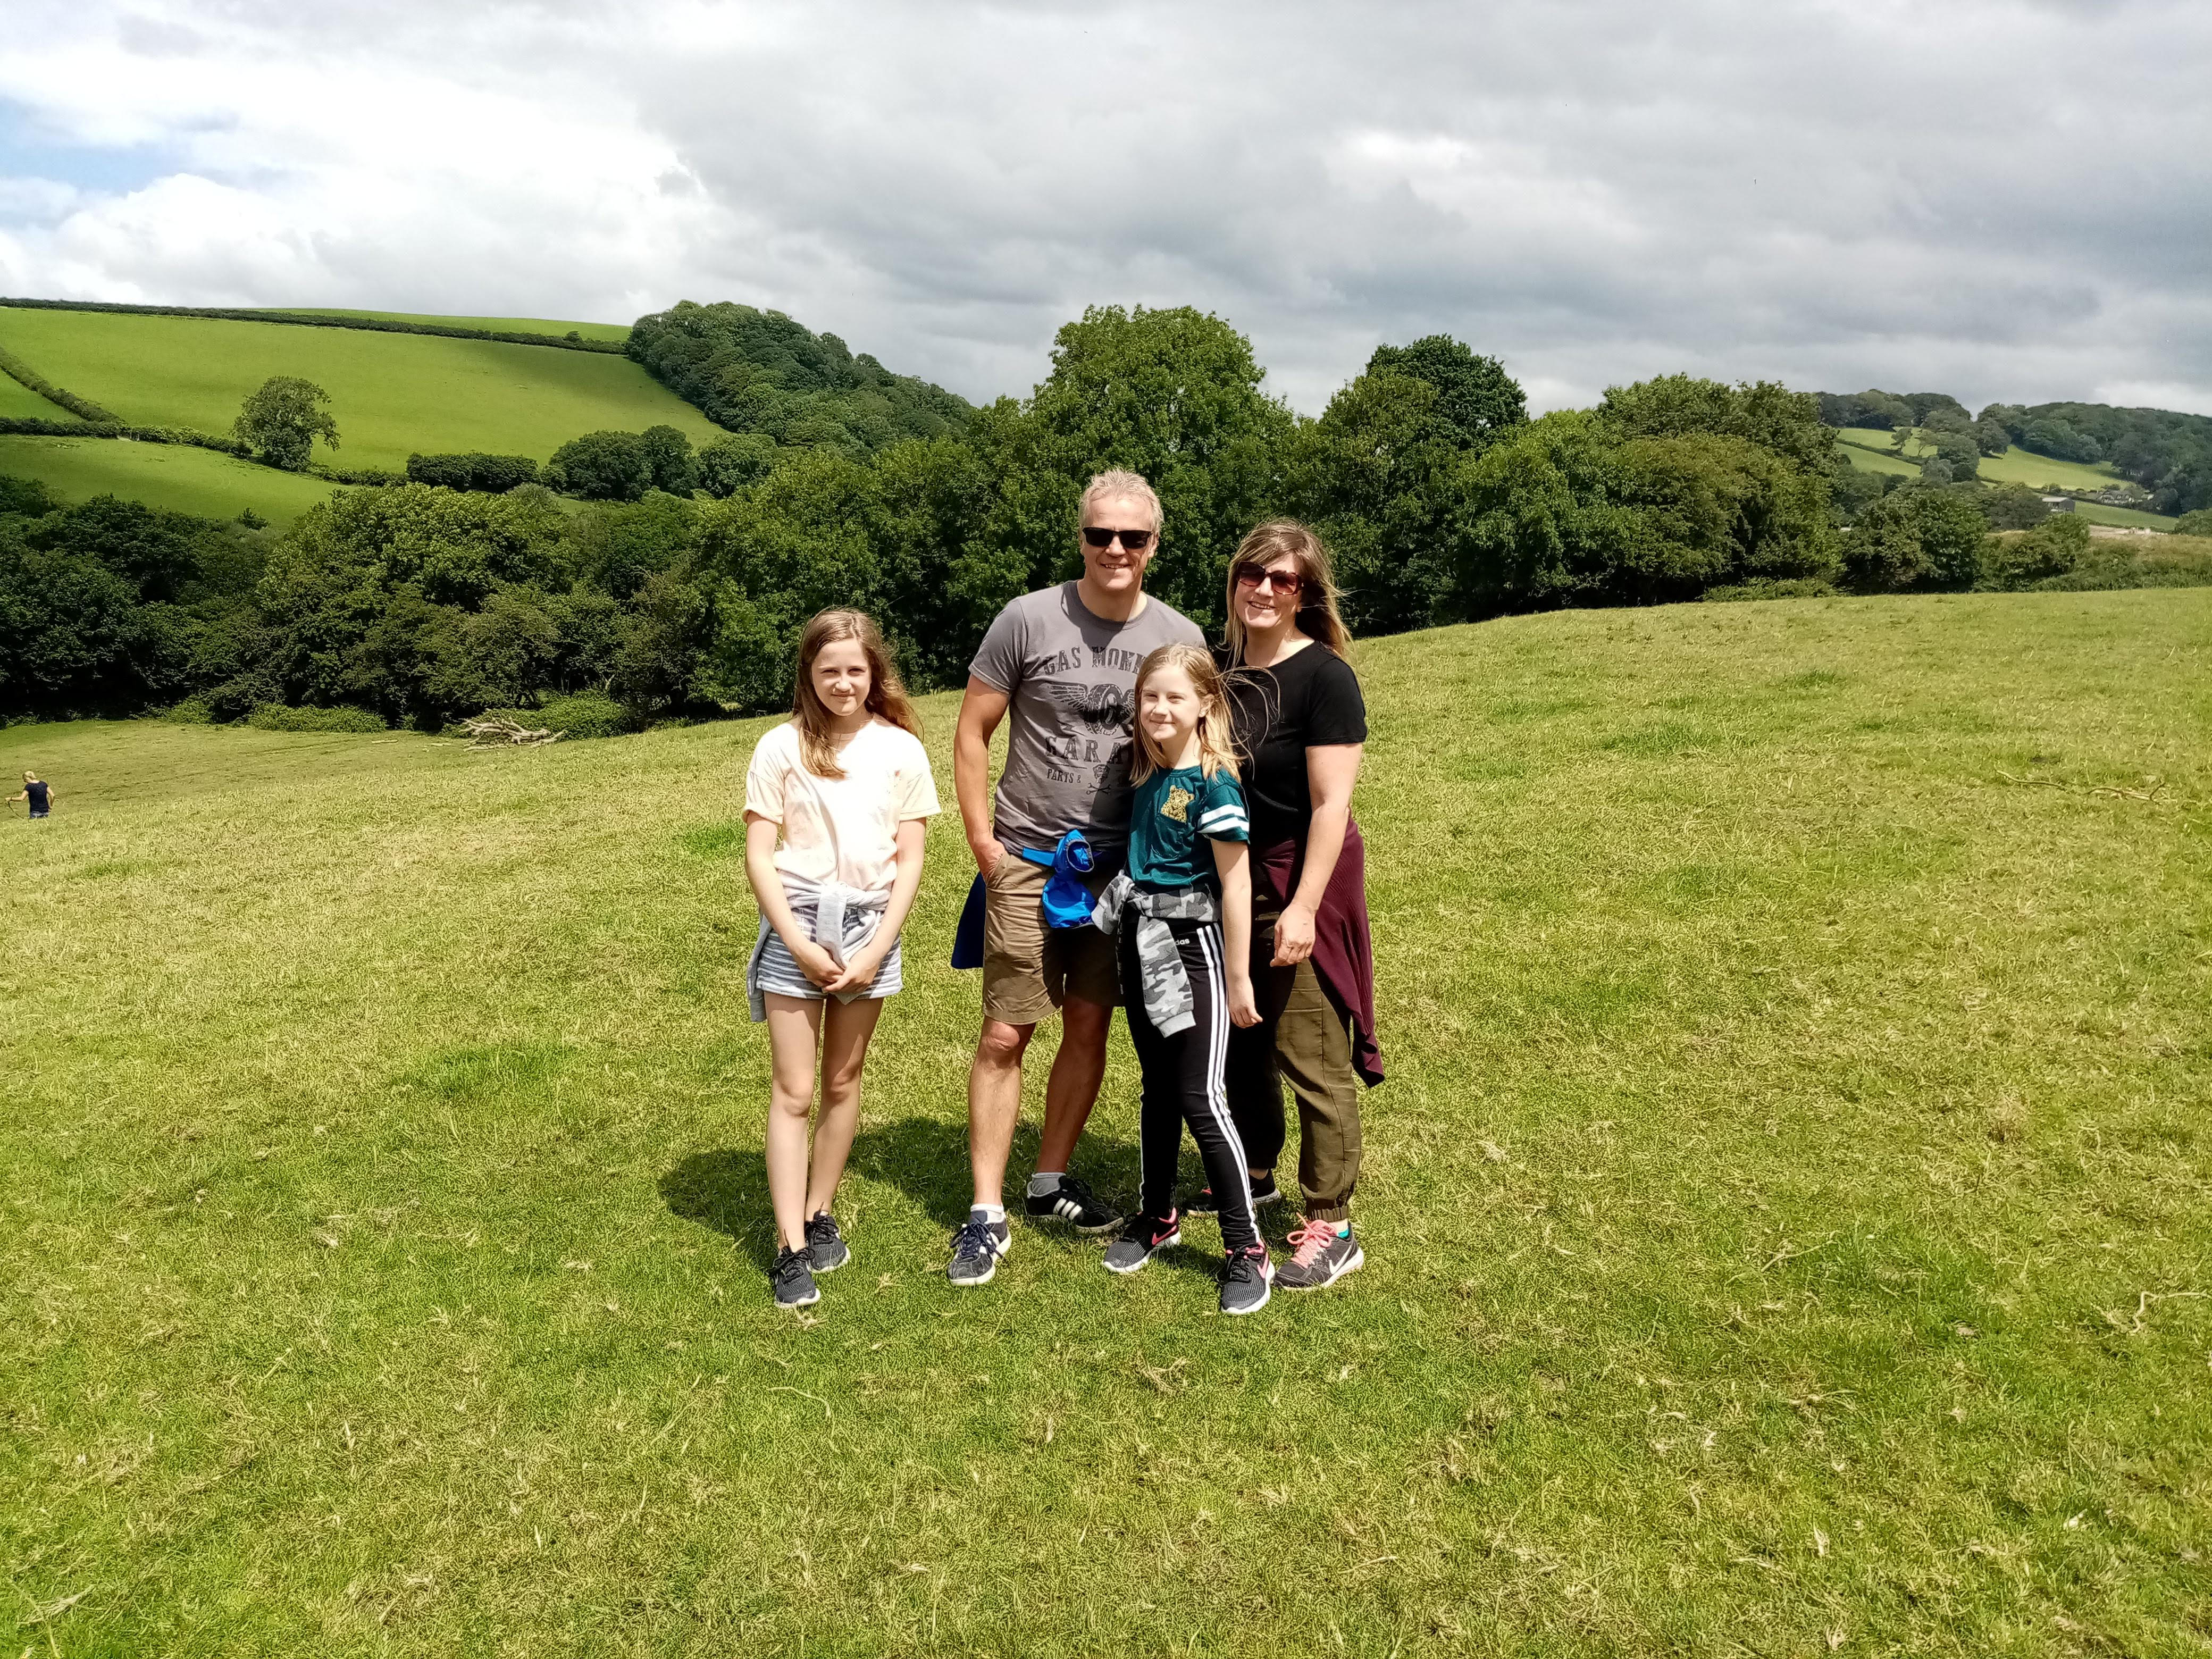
<point x="177" y="477"/>
<point x="393" y="394"/>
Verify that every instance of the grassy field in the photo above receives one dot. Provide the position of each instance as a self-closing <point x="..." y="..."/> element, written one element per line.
<point x="19" y="402"/>
<point x="1789" y="1210"/>
<point x="2097" y="512"/>
<point x="2015" y="465"/>
<point x="173" y="476"/>
<point x="1867" y="461"/>
<point x="393" y="394"/>
<point x="494" y="324"/>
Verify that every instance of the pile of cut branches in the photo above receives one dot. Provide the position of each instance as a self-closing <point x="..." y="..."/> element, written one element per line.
<point x="498" y="731"/>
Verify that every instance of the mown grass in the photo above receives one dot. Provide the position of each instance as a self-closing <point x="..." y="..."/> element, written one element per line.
<point x="393" y="394"/>
<point x="1788" y="1212"/>
<point x="494" y="324"/>
<point x="174" y="476"/>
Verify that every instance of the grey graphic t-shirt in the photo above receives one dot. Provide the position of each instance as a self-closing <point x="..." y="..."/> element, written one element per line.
<point x="1071" y="680"/>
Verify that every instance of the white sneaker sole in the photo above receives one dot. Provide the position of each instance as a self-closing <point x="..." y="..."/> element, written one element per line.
<point x="794" y="1306"/>
<point x="1266" y="1295"/>
<point x="1138" y="1266"/>
<point x="1356" y="1260"/>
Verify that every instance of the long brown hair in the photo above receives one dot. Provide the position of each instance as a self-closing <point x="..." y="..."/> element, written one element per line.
<point x="886" y="699"/>
<point x="1217" y="746"/>
<point x="1318" y="617"/>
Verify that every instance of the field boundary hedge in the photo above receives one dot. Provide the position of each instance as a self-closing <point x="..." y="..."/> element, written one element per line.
<point x="83" y="408"/>
<point x="372" y="324"/>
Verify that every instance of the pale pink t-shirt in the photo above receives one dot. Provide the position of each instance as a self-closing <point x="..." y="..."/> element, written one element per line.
<point x="842" y="829"/>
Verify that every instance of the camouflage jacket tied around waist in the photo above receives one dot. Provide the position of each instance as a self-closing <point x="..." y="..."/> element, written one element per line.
<point x="1166" y="989"/>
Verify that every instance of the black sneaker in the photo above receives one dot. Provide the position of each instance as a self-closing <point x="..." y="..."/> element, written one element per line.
<point x="976" y="1247"/>
<point x="793" y="1279"/>
<point x="1140" y="1241"/>
<point x="1245" y="1277"/>
<point x="826" y="1245"/>
<point x="1264" y="1192"/>
<point x="1073" y="1203"/>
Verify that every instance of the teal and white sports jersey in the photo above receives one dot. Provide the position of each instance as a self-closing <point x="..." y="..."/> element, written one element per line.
<point x="1172" y="817"/>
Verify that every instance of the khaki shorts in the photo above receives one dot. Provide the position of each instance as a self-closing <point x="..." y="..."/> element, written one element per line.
<point x="1030" y="969"/>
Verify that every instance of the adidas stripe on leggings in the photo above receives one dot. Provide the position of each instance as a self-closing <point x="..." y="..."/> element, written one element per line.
<point x="1183" y="1084"/>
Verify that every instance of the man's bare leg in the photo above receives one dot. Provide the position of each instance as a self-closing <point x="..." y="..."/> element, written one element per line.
<point x="994" y="1104"/>
<point x="1072" y="1089"/>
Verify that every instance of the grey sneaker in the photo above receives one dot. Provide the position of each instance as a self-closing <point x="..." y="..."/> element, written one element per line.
<point x="794" y="1282"/>
<point x="826" y="1245"/>
<point x="1320" y="1256"/>
<point x="1144" y="1237"/>
<point x="1245" y="1276"/>
<point x="977" y="1247"/>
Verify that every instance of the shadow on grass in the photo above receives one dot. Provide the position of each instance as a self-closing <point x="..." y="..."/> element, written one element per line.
<point x="924" y="1158"/>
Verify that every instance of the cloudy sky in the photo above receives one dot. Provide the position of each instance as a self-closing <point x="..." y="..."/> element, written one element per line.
<point x="2003" y="200"/>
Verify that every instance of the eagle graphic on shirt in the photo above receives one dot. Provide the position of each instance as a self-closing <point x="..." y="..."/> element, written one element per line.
<point x="1101" y="708"/>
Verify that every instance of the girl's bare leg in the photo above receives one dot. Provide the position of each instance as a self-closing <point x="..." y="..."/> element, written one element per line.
<point x="794" y="1031"/>
<point x="844" y="1051"/>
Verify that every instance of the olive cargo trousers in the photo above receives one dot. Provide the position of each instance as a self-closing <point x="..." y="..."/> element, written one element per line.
<point x="1305" y="1040"/>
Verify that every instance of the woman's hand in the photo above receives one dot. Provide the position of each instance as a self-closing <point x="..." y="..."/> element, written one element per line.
<point x="1294" y="936"/>
<point x="859" y="972"/>
<point x="1243" y="1007"/>
<point x="816" y="963"/>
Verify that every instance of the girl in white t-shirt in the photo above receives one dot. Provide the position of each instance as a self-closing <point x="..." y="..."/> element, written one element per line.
<point x="836" y="801"/>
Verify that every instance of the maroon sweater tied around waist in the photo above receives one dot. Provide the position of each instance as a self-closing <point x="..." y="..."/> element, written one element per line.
<point x="1344" y="952"/>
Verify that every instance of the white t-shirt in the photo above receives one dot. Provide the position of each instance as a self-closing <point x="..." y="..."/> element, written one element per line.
<point x="842" y="829"/>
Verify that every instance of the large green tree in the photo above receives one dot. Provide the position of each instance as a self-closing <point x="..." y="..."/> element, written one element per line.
<point x="1379" y="473"/>
<point x="280" y="421"/>
<point x="1174" y="394"/>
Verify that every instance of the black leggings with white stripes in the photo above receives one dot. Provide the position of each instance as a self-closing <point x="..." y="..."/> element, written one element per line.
<point x="1183" y="1084"/>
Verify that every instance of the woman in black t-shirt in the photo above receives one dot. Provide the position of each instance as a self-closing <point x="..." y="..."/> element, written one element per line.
<point x="1301" y="725"/>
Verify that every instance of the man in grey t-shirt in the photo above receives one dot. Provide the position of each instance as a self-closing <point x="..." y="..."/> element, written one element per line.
<point x="1063" y="662"/>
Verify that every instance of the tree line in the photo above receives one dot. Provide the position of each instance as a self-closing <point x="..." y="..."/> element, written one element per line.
<point x="679" y="591"/>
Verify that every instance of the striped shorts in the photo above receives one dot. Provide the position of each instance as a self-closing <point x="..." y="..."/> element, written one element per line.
<point x="774" y="968"/>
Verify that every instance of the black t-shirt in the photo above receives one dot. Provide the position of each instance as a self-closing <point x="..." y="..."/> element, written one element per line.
<point x="1307" y="700"/>
<point x="37" y="792"/>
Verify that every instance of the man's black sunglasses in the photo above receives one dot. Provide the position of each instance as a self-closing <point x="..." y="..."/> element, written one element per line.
<point x="1136" y="540"/>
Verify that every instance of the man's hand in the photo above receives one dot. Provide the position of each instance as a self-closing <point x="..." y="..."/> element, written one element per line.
<point x="1294" y="937"/>
<point x="988" y="852"/>
<point x="816" y="963"/>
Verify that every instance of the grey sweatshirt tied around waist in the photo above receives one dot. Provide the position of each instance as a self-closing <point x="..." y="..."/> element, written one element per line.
<point x="1166" y="990"/>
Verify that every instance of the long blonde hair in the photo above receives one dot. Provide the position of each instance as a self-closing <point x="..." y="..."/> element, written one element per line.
<point x="1217" y="749"/>
<point x="1318" y="616"/>
<point x="886" y="699"/>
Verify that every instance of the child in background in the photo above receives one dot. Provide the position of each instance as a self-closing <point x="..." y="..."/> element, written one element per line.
<point x="845" y="785"/>
<point x="1183" y="910"/>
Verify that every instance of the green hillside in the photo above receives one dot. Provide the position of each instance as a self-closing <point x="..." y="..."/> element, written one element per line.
<point x="616" y="331"/>
<point x="1787" y="1213"/>
<point x="393" y="394"/>
<point x="19" y="402"/>
<point x="173" y="476"/>
<point x="2015" y="465"/>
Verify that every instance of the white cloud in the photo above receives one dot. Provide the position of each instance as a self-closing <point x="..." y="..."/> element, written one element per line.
<point x="2002" y="199"/>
